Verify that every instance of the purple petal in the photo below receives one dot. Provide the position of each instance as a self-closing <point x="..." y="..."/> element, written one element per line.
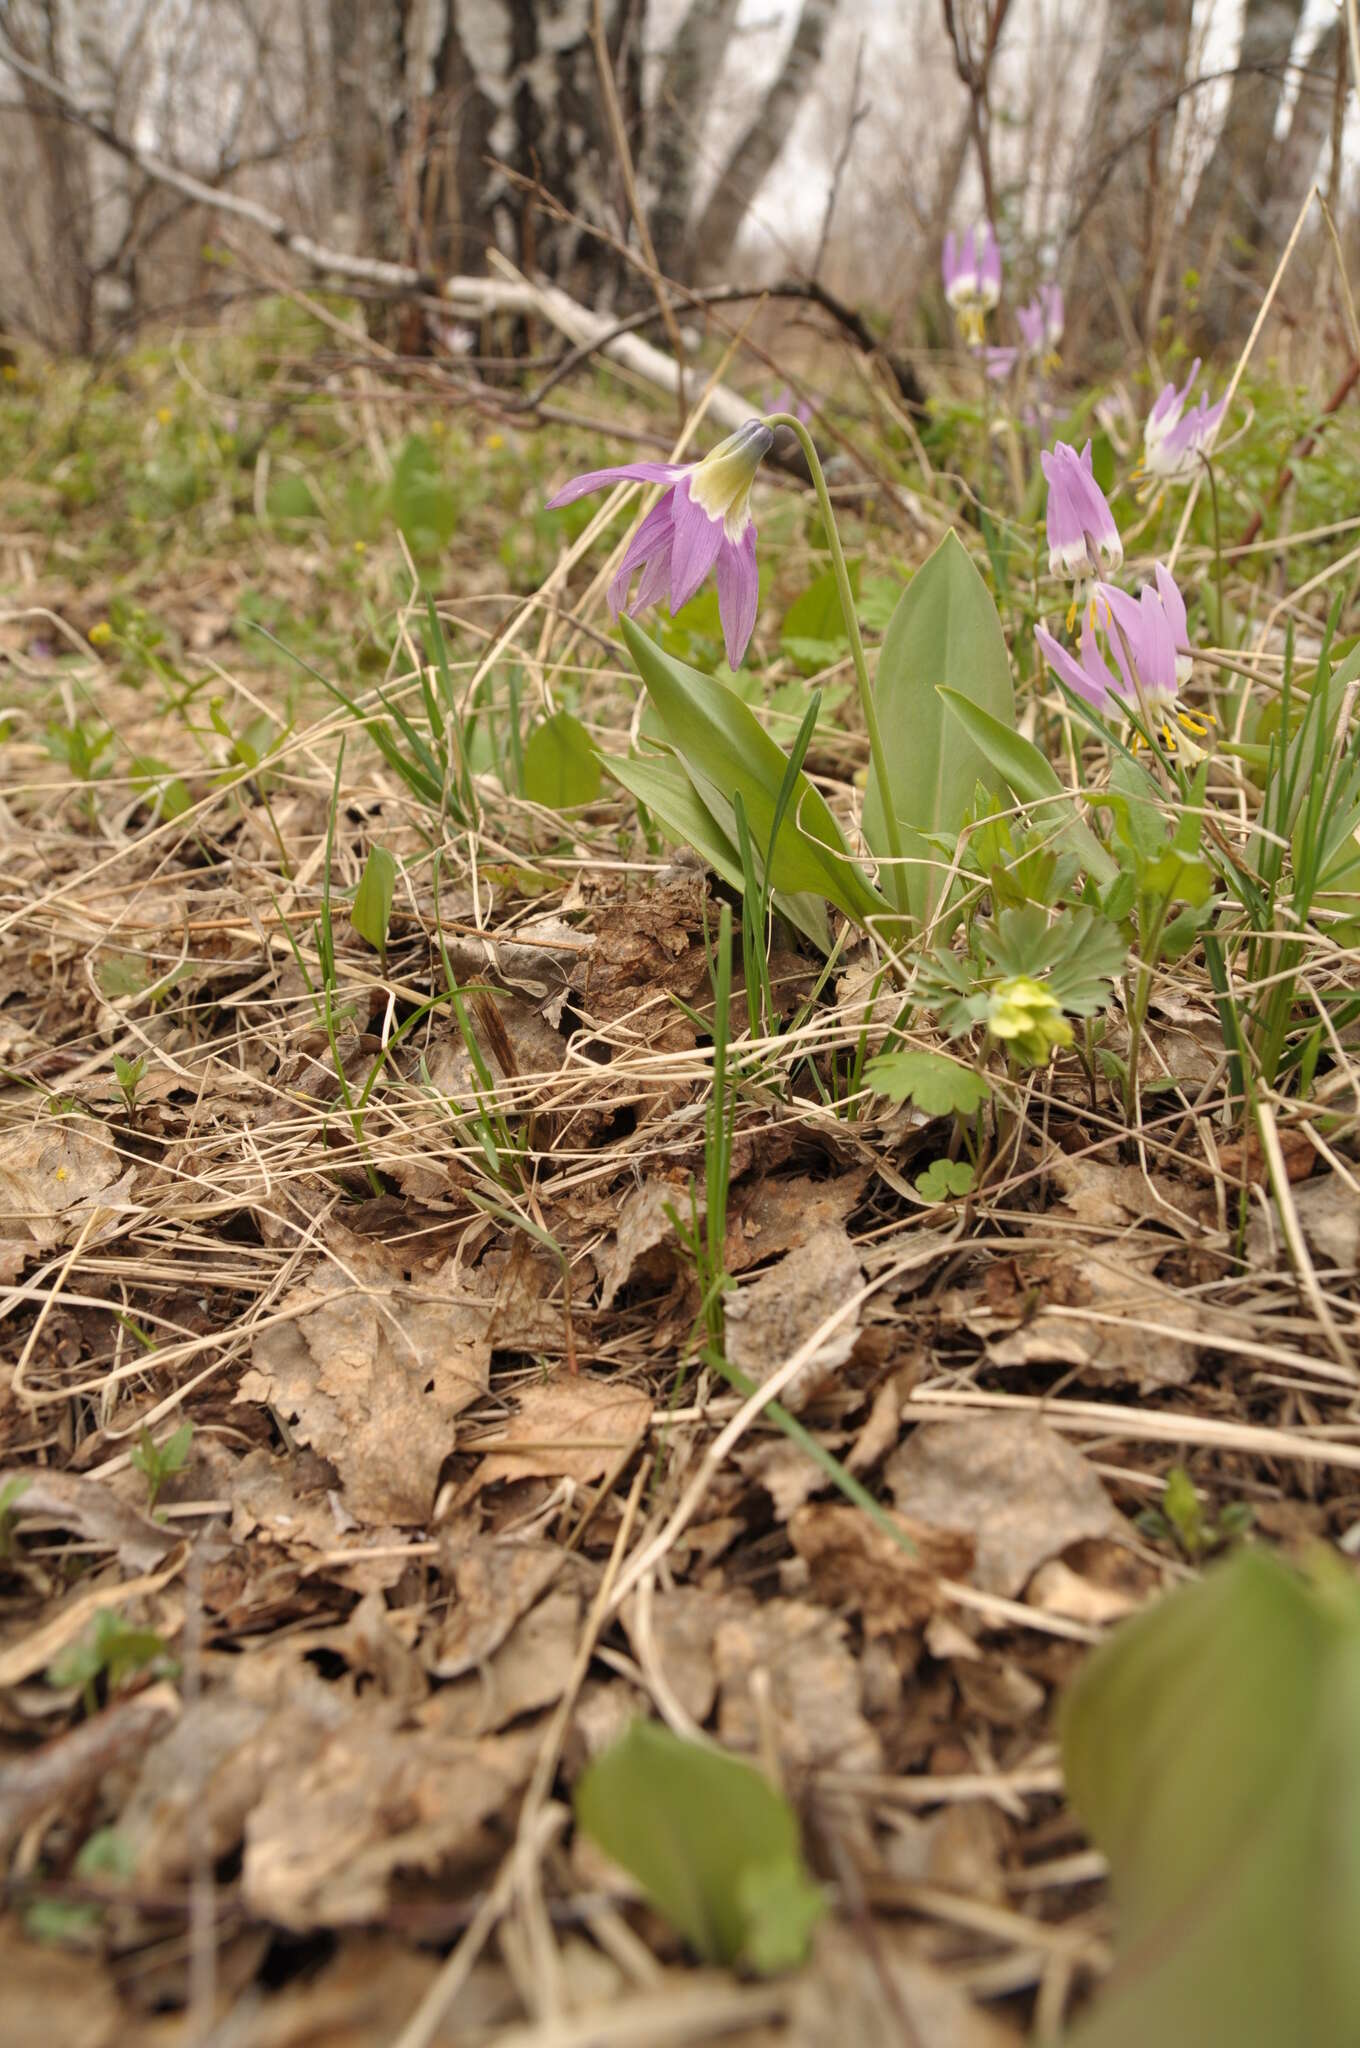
<point x="696" y="540"/>
<point x="650" y="550"/>
<point x="1079" y="676"/>
<point x="738" y="594"/>
<point x="1173" y="604"/>
<point x="621" y="473"/>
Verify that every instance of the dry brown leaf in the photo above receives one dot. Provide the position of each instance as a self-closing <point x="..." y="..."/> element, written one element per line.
<point x="530" y="1670"/>
<point x="776" y="1315"/>
<point x="1108" y="1197"/>
<point x="856" y="1566"/>
<point x="645" y="1222"/>
<point x="1010" y="1483"/>
<point x="53" y="1174"/>
<point x="88" y="1508"/>
<point x="336" y="1825"/>
<point x="1123" y="1289"/>
<point x="770" y="1214"/>
<point x="786" y="1472"/>
<point x="569" y="1427"/>
<point x="373" y="1376"/>
<point x="50" y="1997"/>
<point x="361" y="1997"/>
<point x="784" y="1668"/>
<point x="997" y="1689"/>
<point x="494" y="1582"/>
<point x="677" y="1629"/>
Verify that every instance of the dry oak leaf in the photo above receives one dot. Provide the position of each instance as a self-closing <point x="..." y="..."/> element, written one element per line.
<point x="776" y="1315"/>
<point x="646" y="1221"/>
<point x="814" y="1700"/>
<point x="530" y="1670"/>
<point x="771" y="1215"/>
<point x="52" y="1175"/>
<point x="1007" y="1481"/>
<point x="331" y="1833"/>
<point x="87" y="1507"/>
<point x="51" y="1996"/>
<point x="570" y="1426"/>
<point x="856" y="1566"/>
<point x="372" y="1372"/>
<point x="1121" y="1286"/>
<point x="494" y="1582"/>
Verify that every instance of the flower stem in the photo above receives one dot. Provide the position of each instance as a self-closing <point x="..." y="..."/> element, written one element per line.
<point x="847" y="598"/>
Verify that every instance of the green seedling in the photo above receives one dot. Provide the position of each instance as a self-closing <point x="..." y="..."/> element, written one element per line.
<point x="158" y="1462"/>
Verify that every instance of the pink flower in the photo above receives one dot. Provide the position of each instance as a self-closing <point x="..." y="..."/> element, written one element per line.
<point x="1041" y="321"/>
<point x="702" y="523"/>
<point x="1081" y="529"/>
<point x="1173" y="439"/>
<point x="1148" y="639"/>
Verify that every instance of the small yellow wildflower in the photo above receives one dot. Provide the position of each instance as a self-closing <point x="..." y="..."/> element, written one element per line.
<point x="164" y="415"/>
<point x="361" y="547"/>
<point x="495" y="441"/>
<point x="101" y="634"/>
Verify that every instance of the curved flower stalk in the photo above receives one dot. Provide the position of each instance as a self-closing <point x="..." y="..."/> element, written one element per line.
<point x="1149" y="639"/>
<point x="702" y="523"/>
<point x="1082" y="535"/>
<point x="972" y="277"/>
<point x="1174" y="440"/>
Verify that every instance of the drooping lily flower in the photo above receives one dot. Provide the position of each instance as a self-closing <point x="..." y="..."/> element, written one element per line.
<point x="999" y="362"/>
<point x="702" y="523"/>
<point x="1173" y="439"/>
<point x="972" y="277"/>
<point x="1041" y="321"/>
<point x="1148" y="639"/>
<point x="1081" y="530"/>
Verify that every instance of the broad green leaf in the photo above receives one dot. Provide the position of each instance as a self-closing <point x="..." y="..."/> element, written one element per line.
<point x="946" y="1180"/>
<point x="668" y="793"/>
<point x="1078" y="953"/>
<point x="423" y="505"/>
<point x="710" y="1841"/>
<point x="1031" y="779"/>
<point x="945" y="631"/>
<point x="289" y="497"/>
<point x="937" y="1085"/>
<point x="561" y="766"/>
<point x="1212" y="1748"/>
<point x="372" y="912"/>
<point x="725" y="749"/>
<point x="816" y="615"/>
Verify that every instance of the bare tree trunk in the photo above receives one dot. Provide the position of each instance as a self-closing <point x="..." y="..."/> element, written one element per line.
<point x="715" y="232"/>
<point x="1296" y="157"/>
<point x="1236" y="181"/>
<point x="1118" y="191"/>
<point x="448" y="112"/>
<point x="692" y="65"/>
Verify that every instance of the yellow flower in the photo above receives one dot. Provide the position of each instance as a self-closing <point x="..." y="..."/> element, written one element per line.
<point x="494" y="441"/>
<point x="361" y="547"/>
<point x="164" y="415"/>
<point x="101" y="634"/>
<point x="1028" y="1019"/>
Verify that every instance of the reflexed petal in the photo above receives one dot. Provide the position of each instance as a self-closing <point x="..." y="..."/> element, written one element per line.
<point x="1085" y="677"/>
<point x="621" y="473"/>
<point x="696" y="540"/>
<point x="650" y="550"/>
<point x="1174" y="606"/>
<point x="738" y="594"/>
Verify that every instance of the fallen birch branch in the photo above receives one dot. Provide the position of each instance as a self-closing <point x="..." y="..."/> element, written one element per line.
<point x="477" y="297"/>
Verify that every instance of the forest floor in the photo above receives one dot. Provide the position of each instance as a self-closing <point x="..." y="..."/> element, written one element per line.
<point x="362" y="1474"/>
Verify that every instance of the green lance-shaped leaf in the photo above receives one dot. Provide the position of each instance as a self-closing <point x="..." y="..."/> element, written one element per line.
<point x="670" y="796"/>
<point x="945" y="631"/>
<point x="1213" y="1750"/>
<point x="710" y="1841"/>
<point x="372" y="912"/>
<point x="725" y="749"/>
<point x="561" y="766"/>
<point x="1031" y="779"/>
